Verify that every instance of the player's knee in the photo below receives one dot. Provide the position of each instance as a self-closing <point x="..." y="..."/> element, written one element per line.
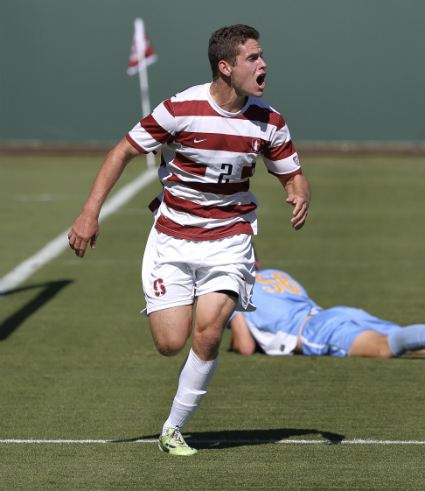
<point x="207" y="342"/>
<point x="244" y="349"/>
<point x="169" y="347"/>
<point x="168" y="350"/>
<point x="210" y="338"/>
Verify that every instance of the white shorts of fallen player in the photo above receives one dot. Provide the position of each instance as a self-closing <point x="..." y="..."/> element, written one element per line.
<point x="175" y="271"/>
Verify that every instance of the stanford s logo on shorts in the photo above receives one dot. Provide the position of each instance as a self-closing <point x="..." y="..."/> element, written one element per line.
<point x="158" y="286"/>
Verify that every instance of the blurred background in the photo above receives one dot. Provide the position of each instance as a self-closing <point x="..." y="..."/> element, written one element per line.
<point x="340" y="71"/>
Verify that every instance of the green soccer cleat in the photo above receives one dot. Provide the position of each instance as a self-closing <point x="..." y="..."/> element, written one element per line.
<point x="173" y="443"/>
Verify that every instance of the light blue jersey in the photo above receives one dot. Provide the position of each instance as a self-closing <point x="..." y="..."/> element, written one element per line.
<point x="282" y="306"/>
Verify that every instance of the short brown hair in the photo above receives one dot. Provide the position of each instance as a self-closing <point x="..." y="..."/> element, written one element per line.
<point x="224" y="44"/>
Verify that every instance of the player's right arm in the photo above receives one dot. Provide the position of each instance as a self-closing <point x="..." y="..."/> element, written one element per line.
<point x="86" y="226"/>
<point x="243" y="341"/>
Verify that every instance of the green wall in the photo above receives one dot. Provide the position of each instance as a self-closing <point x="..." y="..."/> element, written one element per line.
<point x="339" y="70"/>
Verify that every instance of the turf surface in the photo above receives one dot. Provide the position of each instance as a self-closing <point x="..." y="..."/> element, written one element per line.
<point x="77" y="361"/>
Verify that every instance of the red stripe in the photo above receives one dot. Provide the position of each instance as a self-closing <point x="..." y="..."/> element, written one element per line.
<point x="198" y="233"/>
<point x="205" y="187"/>
<point x="248" y="171"/>
<point x="155" y="130"/>
<point x="217" y="142"/>
<point x="169" y="107"/>
<point x="188" y="165"/>
<point x="264" y="115"/>
<point x="279" y="153"/>
<point x="194" y="108"/>
<point x="135" y="145"/>
<point x="203" y="108"/>
<point x="286" y="176"/>
<point x="211" y="212"/>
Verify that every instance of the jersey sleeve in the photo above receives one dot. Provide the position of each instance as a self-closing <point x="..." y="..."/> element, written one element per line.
<point x="155" y="130"/>
<point x="280" y="156"/>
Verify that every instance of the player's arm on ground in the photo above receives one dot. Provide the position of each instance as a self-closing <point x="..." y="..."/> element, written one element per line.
<point x="86" y="226"/>
<point x="299" y="193"/>
<point x="243" y="341"/>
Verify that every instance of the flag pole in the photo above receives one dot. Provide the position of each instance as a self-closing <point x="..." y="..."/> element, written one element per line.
<point x="139" y="27"/>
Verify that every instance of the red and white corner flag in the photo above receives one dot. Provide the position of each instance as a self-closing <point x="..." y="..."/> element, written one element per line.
<point x="142" y="55"/>
<point x="141" y="49"/>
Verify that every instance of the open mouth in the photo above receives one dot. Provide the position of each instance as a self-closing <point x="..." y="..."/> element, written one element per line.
<point x="260" y="81"/>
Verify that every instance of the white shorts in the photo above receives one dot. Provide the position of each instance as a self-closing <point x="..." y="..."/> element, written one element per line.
<point x="175" y="271"/>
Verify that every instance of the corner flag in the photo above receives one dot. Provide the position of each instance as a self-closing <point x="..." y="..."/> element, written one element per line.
<point x="142" y="55"/>
<point x="141" y="49"/>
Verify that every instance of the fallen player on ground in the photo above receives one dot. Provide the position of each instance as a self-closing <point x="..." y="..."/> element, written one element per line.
<point x="287" y="321"/>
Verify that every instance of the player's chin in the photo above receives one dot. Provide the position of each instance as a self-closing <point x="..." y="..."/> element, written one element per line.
<point x="254" y="91"/>
<point x="257" y="92"/>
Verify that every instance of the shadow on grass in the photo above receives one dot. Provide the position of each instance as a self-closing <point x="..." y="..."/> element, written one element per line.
<point x="238" y="438"/>
<point x="48" y="291"/>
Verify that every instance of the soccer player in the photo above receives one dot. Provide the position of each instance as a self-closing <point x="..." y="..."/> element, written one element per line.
<point x="210" y="137"/>
<point x="287" y="321"/>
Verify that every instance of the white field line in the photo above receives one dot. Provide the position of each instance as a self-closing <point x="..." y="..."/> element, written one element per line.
<point x="246" y="442"/>
<point x="55" y="247"/>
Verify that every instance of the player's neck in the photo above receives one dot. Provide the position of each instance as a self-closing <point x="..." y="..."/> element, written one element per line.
<point x="225" y="96"/>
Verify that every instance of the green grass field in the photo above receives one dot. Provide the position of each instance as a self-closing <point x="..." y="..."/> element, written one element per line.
<point x="77" y="361"/>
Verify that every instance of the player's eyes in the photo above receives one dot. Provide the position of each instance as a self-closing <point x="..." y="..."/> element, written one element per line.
<point x="256" y="57"/>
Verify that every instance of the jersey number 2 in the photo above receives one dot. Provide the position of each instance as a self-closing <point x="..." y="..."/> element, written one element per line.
<point x="222" y="178"/>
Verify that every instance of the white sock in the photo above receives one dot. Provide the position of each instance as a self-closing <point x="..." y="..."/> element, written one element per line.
<point x="194" y="378"/>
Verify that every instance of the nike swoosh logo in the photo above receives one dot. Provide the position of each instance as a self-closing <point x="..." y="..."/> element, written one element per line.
<point x="199" y="141"/>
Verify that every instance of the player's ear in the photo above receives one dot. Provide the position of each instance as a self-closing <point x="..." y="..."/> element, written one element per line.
<point x="225" y="68"/>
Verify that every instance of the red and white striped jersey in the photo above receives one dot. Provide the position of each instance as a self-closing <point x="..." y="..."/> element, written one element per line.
<point x="207" y="158"/>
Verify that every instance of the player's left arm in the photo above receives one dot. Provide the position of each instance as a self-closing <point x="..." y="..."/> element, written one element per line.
<point x="243" y="341"/>
<point x="299" y="193"/>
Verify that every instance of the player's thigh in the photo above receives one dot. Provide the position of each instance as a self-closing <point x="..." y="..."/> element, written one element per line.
<point x="213" y="311"/>
<point x="370" y="344"/>
<point x="171" y="328"/>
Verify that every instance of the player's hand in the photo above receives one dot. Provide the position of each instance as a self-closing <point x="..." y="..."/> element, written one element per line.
<point x="300" y="210"/>
<point x="84" y="230"/>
